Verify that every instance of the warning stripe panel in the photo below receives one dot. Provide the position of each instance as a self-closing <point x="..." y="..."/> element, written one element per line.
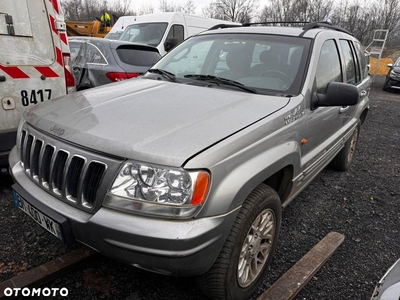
<point x="59" y="56"/>
<point x="53" y="24"/>
<point x="47" y="72"/>
<point x="14" y="72"/>
<point x="64" y="39"/>
<point x="55" y="5"/>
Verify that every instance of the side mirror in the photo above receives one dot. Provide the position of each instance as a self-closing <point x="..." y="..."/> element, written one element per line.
<point x="170" y="43"/>
<point x="390" y="65"/>
<point x="336" y="94"/>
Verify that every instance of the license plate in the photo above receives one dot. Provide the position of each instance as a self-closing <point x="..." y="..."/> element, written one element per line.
<point x="43" y="220"/>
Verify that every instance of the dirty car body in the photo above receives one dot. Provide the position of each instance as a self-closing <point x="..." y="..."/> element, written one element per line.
<point x="184" y="170"/>
<point x="98" y="61"/>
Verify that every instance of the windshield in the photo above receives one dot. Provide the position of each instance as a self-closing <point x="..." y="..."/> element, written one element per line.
<point x="266" y="63"/>
<point x="146" y="33"/>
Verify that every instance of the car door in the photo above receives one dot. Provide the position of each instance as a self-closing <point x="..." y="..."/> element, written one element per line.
<point x="323" y="123"/>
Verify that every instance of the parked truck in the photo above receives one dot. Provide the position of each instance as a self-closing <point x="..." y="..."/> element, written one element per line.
<point x="166" y="30"/>
<point x="34" y="61"/>
<point x="97" y="28"/>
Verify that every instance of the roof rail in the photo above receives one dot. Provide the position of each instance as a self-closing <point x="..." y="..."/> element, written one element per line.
<point x="307" y="25"/>
<point x="219" y="26"/>
<point x="323" y="24"/>
<point x="276" y="23"/>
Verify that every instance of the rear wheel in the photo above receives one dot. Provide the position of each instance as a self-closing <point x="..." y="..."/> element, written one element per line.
<point x="242" y="262"/>
<point x="345" y="157"/>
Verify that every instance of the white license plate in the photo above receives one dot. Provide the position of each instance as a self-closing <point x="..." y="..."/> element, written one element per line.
<point x="47" y="223"/>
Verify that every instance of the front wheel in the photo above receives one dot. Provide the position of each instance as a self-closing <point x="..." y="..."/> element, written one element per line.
<point x="243" y="260"/>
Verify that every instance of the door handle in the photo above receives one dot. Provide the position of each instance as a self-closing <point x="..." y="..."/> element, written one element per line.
<point x="363" y="93"/>
<point x="343" y="109"/>
<point x="2" y="78"/>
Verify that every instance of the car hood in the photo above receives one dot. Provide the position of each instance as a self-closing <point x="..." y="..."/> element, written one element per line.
<point x="151" y="121"/>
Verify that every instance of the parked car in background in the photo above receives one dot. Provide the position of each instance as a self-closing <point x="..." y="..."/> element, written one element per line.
<point x="392" y="81"/>
<point x="98" y="61"/>
<point x="388" y="288"/>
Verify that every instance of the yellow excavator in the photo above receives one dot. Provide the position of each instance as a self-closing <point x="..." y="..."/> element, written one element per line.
<point x="97" y="28"/>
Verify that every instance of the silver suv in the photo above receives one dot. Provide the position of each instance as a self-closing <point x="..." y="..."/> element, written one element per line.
<point x="184" y="170"/>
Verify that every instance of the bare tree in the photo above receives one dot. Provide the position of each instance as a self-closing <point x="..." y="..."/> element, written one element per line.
<point x="146" y="9"/>
<point x="188" y="7"/>
<point x="166" y="6"/>
<point x="296" y="11"/>
<point x="85" y="10"/>
<point x="232" y="10"/>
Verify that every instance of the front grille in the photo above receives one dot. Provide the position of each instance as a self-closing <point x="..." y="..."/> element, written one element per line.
<point x="72" y="175"/>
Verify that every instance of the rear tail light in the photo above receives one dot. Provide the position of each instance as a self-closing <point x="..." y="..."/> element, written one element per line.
<point x="69" y="77"/>
<point x="119" y="76"/>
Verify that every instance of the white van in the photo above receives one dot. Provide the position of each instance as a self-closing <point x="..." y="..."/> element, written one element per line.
<point x="34" y="61"/>
<point x="166" y="30"/>
<point x="119" y="27"/>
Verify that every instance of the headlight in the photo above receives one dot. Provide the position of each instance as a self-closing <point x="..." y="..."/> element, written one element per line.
<point x="159" y="191"/>
<point x="393" y="74"/>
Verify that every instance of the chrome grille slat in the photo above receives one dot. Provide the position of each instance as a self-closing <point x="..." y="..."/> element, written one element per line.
<point x="46" y="165"/>
<point x="71" y="174"/>
<point x="35" y="158"/>
<point x="58" y="171"/>
<point x="74" y="177"/>
<point x="22" y="145"/>
<point x="91" y="182"/>
<point x="27" y="152"/>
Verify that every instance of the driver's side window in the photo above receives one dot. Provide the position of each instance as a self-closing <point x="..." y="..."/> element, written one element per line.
<point x="329" y="69"/>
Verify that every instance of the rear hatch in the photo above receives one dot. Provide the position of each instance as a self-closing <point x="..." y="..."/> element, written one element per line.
<point x="135" y="58"/>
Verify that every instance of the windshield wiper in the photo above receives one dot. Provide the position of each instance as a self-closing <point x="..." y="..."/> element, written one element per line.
<point x="170" y="76"/>
<point x="221" y="80"/>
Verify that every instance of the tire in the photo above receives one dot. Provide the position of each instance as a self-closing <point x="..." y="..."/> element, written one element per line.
<point x="229" y="278"/>
<point x="344" y="158"/>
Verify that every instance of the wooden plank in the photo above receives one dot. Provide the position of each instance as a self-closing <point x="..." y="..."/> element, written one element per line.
<point x="48" y="271"/>
<point x="291" y="283"/>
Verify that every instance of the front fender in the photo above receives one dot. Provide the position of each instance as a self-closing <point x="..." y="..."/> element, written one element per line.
<point x="231" y="185"/>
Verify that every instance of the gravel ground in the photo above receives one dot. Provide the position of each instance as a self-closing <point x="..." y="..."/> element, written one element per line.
<point x="362" y="203"/>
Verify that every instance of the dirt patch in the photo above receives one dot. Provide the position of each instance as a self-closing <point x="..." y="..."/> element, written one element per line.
<point x="389" y="56"/>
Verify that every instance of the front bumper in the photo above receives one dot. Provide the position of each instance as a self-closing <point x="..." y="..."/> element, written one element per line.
<point x="393" y="83"/>
<point x="171" y="247"/>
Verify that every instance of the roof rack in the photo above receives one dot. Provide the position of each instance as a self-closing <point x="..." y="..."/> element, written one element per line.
<point x="219" y="26"/>
<point x="276" y="23"/>
<point x="307" y="25"/>
<point x="323" y="24"/>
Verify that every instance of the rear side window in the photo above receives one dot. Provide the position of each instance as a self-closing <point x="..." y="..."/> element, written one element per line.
<point x="350" y="62"/>
<point x="363" y="58"/>
<point x="328" y="69"/>
<point x="95" y="56"/>
<point x="137" y="57"/>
